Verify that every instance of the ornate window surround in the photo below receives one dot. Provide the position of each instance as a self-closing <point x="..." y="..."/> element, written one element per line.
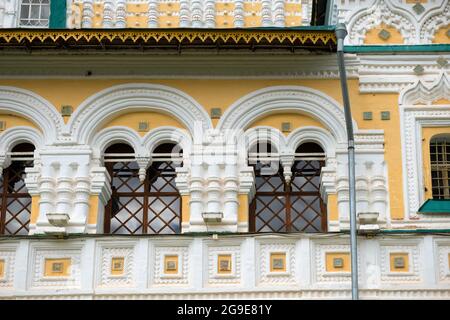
<point x="417" y="112"/>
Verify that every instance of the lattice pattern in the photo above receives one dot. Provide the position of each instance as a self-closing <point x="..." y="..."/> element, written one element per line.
<point x="152" y="206"/>
<point x="34" y="13"/>
<point x="295" y="207"/>
<point x="440" y="168"/>
<point x="15" y="202"/>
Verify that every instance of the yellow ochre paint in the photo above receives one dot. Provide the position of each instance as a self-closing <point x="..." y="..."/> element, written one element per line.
<point x="441" y="35"/>
<point x="372" y="36"/>
<point x="329" y="261"/>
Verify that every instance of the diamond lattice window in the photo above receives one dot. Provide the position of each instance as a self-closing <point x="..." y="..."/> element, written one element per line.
<point x="15" y="202"/>
<point x="440" y="167"/>
<point x="152" y="206"/>
<point x="34" y="13"/>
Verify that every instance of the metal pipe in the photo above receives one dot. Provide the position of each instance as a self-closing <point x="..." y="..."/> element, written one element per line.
<point x="341" y="33"/>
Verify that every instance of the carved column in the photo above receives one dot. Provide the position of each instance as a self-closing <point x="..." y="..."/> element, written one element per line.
<point x="210" y="14"/>
<point x="101" y="188"/>
<point x="278" y="10"/>
<point x="239" y="14"/>
<point x="231" y="189"/>
<point x="121" y="14"/>
<point x="88" y="14"/>
<point x="153" y="14"/>
<point x="82" y="193"/>
<point x="108" y="14"/>
<point x="266" y="13"/>
<point x="197" y="13"/>
<point x="185" y="14"/>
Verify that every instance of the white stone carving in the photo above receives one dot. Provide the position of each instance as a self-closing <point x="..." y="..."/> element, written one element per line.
<point x="268" y="278"/>
<point x="157" y="263"/>
<point x="217" y="279"/>
<point x="412" y="275"/>
<point x="8" y="256"/>
<point x="120" y="249"/>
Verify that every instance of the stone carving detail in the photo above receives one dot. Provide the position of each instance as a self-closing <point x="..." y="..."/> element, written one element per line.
<point x="444" y="262"/>
<point x="107" y="279"/>
<point x="70" y="282"/>
<point x="218" y="279"/>
<point x="268" y="278"/>
<point x="9" y="265"/>
<point x="321" y="274"/>
<point x="159" y="277"/>
<point x="413" y="275"/>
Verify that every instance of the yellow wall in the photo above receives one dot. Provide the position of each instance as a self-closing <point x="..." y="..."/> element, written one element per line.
<point x="329" y="259"/>
<point x="427" y="135"/>
<point x="373" y="38"/>
<point x="441" y="35"/>
<point x="297" y="120"/>
<point x="222" y="93"/>
<point x="154" y="120"/>
<point x="12" y="121"/>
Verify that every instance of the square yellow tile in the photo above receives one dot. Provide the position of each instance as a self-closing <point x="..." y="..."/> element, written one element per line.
<point x="57" y="267"/>
<point x="337" y="262"/>
<point x="399" y="262"/>
<point x="117" y="265"/>
<point x="224" y="264"/>
<point x="171" y="264"/>
<point x="278" y="262"/>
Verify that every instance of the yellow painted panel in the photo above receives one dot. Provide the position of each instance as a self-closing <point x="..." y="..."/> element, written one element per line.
<point x="2" y="269"/>
<point x="117" y="266"/>
<point x="12" y="120"/>
<point x="427" y="134"/>
<point x="332" y="207"/>
<point x="97" y="20"/>
<point x="373" y="38"/>
<point x="224" y="262"/>
<point x="171" y="264"/>
<point x="169" y="14"/>
<point x="185" y="210"/>
<point x="441" y="101"/>
<point x="252" y="14"/>
<point x="34" y="209"/>
<point x="297" y="120"/>
<point x="93" y="210"/>
<point x="394" y="256"/>
<point x="154" y="119"/>
<point x="441" y="35"/>
<point x="278" y="262"/>
<point x="57" y="267"/>
<point x="75" y="17"/>
<point x="137" y="15"/>
<point x="243" y="208"/>
<point x="293" y="14"/>
<point x="416" y="1"/>
<point x="330" y="261"/>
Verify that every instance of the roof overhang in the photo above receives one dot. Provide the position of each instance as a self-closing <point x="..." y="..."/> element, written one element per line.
<point x="318" y="38"/>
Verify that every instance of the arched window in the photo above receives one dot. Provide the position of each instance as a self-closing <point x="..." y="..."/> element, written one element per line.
<point x="279" y="206"/>
<point x="440" y="166"/>
<point x="34" y="13"/>
<point x="15" y="202"/>
<point x="149" y="207"/>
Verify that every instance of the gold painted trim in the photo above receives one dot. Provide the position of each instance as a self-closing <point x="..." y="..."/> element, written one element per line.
<point x="190" y="36"/>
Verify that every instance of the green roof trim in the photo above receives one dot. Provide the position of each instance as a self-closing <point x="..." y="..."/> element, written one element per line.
<point x="57" y="14"/>
<point x="398" y="48"/>
<point x="435" y="206"/>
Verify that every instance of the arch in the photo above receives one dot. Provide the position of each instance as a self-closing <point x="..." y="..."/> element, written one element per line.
<point x="381" y="12"/>
<point x="312" y="134"/>
<point x="273" y="135"/>
<point x="16" y="135"/>
<point x="33" y="107"/>
<point x="167" y="134"/>
<point x="422" y="93"/>
<point x="286" y="99"/>
<point x="113" y="101"/>
<point x="433" y="21"/>
<point x="112" y="135"/>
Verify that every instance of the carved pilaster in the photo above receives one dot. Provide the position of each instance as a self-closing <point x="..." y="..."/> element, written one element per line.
<point x="278" y="10"/>
<point x="121" y="14"/>
<point x="88" y="14"/>
<point x="108" y="14"/>
<point x="185" y="14"/>
<point x="197" y="13"/>
<point x="153" y="14"/>
<point x="210" y="14"/>
<point x="239" y="14"/>
<point x="266" y="13"/>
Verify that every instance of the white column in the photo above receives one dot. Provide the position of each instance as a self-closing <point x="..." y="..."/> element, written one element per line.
<point x="239" y="14"/>
<point x="121" y="14"/>
<point x="64" y="187"/>
<point x="197" y="13"/>
<point x="213" y="188"/>
<point x="266" y="13"/>
<point x="88" y="14"/>
<point x="47" y="192"/>
<point x="153" y="14"/>
<point x="231" y="189"/>
<point x="185" y="14"/>
<point x="82" y="194"/>
<point x="210" y="14"/>
<point x="108" y="14"/>
<point x="196" y="202"/>
<point x="278" y="10"/>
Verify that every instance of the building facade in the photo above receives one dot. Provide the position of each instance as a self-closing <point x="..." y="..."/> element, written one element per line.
<point x="185" y="149"/>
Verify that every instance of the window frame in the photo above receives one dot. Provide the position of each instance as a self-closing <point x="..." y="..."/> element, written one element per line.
<point x="29" y="19"/>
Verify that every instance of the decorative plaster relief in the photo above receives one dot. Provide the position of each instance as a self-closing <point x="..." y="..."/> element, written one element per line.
<point x="392" y="276"/>
<point x="268" y="277"/>
<point x="110" y="251"/>
<point x="160" y="277"/>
